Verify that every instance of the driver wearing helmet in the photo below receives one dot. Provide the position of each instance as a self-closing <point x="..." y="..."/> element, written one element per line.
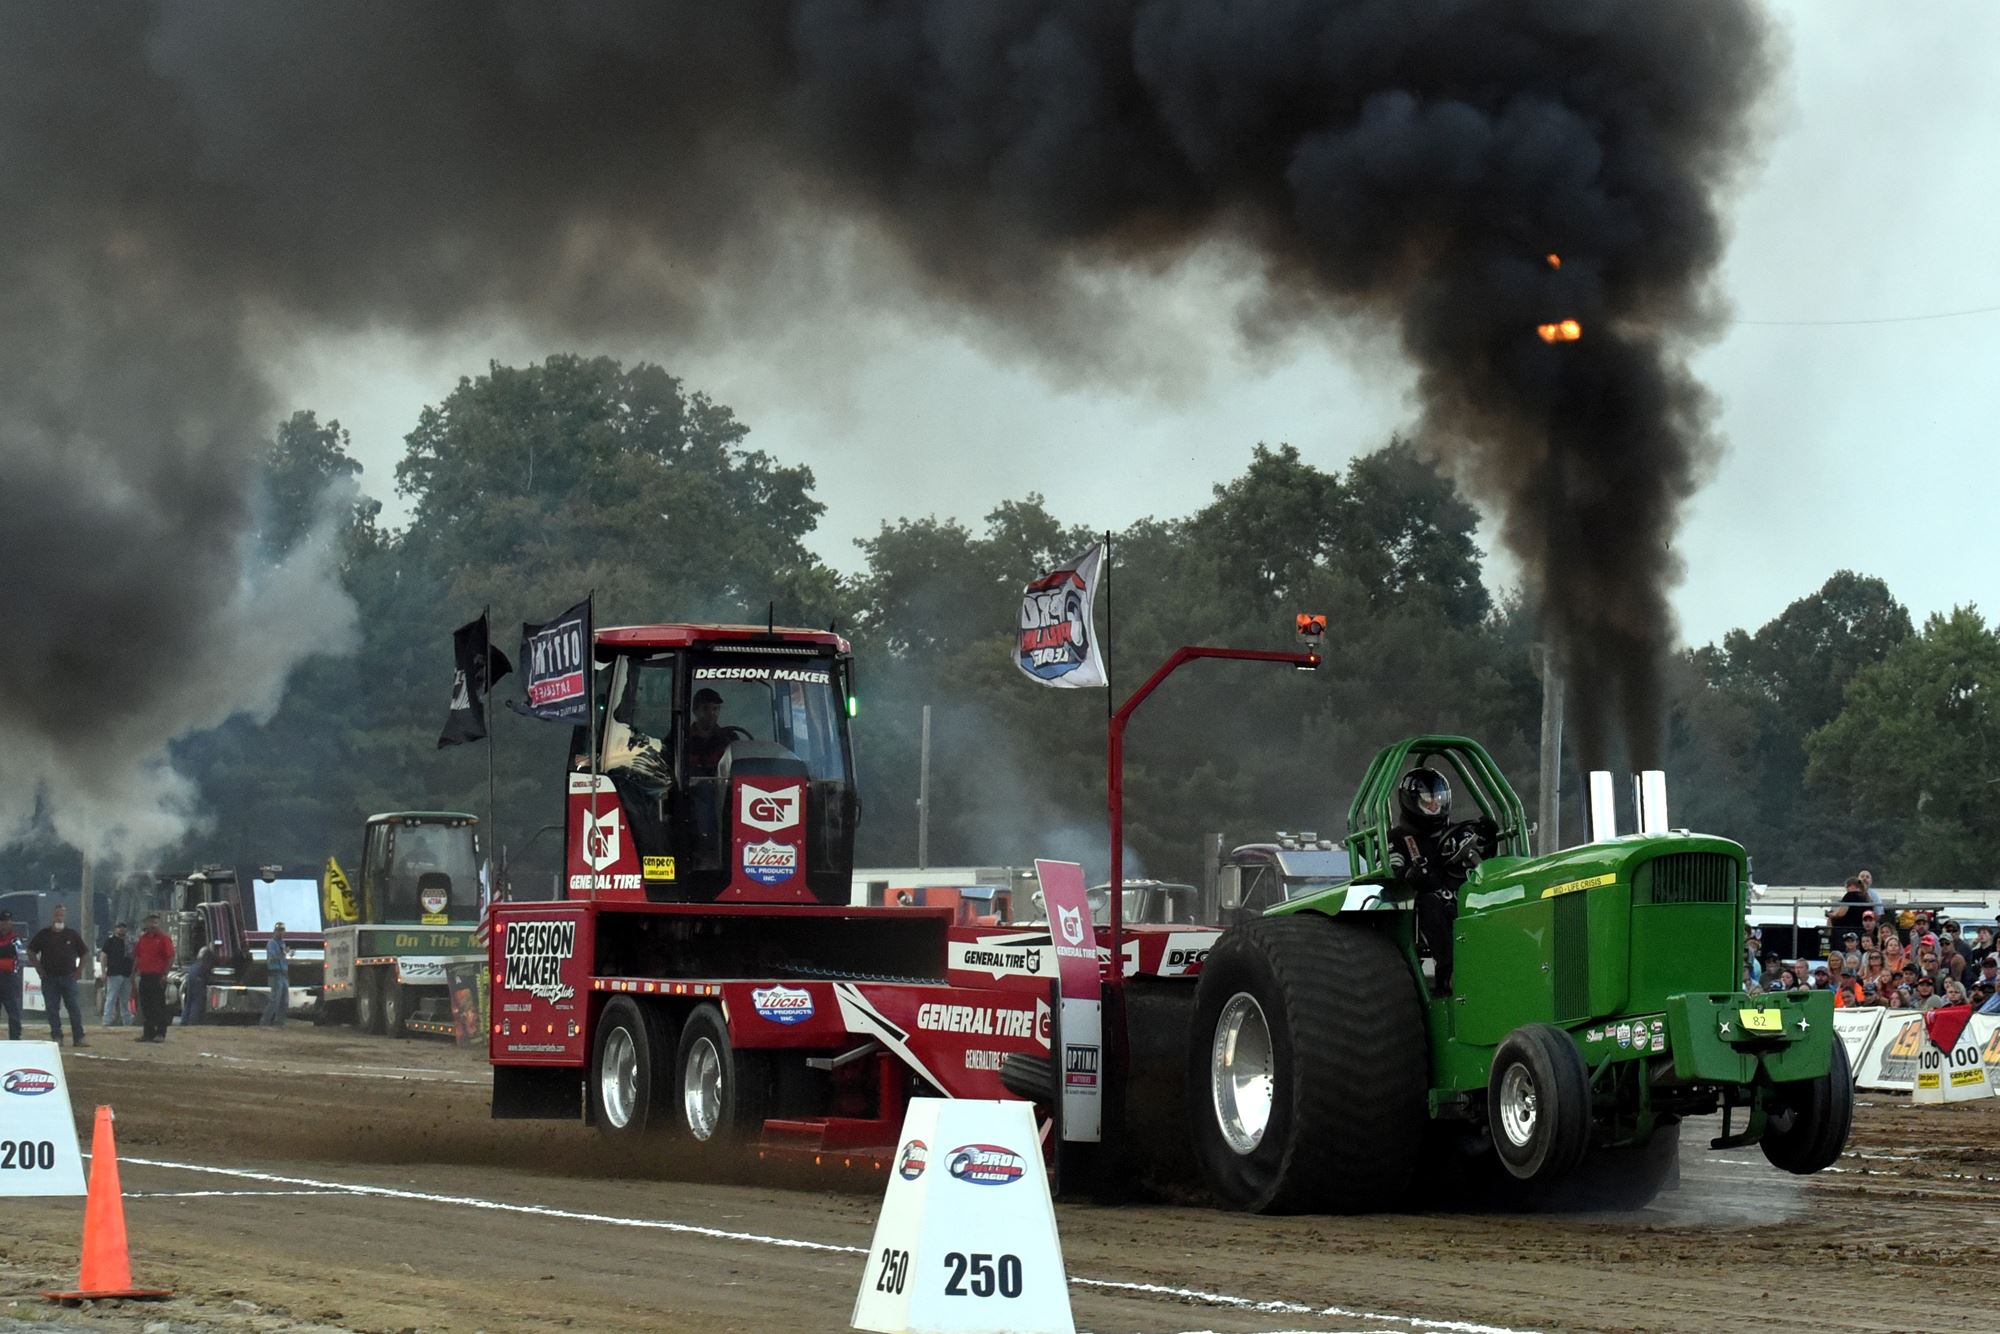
<point x="1434" y="856"/>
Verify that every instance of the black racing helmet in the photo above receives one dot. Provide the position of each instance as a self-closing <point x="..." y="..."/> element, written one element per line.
<point x="1425" y="797"/>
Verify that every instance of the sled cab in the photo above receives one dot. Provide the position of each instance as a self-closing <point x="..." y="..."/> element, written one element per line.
<point x="722" y="771"/>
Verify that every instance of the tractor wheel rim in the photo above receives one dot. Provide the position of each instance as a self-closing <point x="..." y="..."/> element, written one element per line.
<point x="618" y="1079"/>
<point x="1518" y="1106"/>
<point x="701" y="1089"/>
<point x="1242" y="1073"/>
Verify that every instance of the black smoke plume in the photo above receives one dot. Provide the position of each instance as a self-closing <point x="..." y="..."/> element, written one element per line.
<point x="188" y="181"/>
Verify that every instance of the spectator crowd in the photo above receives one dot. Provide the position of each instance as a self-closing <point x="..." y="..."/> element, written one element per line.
<point x="1901" y="958"/>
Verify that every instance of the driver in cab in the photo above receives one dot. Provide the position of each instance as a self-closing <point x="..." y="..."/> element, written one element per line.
<point x="1434" y="856"/>
<point x="707" y="738"/>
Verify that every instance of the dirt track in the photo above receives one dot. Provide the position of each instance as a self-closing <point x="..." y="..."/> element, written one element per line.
<point x="302" y="1180"/>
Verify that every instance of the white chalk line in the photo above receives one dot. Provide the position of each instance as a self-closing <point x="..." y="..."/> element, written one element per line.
<point x="1273" y="1307"/>
<point x="203" y="1195"/>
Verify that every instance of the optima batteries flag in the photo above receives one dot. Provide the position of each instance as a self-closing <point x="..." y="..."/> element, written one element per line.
<point x="554" y="666"/>
<point x="1057" y="646"/>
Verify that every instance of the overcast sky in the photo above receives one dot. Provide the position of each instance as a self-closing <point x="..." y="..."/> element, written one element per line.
<point x="1849" y="446"/>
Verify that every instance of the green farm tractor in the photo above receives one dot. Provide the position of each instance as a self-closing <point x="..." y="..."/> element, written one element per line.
<point x="1595" y="1004"/>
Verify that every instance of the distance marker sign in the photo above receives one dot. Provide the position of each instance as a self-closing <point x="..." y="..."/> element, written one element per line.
<point x="38" y="1149"/>
<point x="966" y="1243"/>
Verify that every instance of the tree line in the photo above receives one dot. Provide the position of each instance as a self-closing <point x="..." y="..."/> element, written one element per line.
<point x="1836" y="735"/>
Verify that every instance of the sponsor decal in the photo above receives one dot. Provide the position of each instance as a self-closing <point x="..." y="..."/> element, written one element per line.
<point x="1071" y="921"/>
<point x="1055" y="644"/>
<point x="769" y="862"/>
<point x="28" y="1082"/>
<point x="433" y="901"/>
<point x="601" y="838"/>
<point x="782" y="1004"/>
<point x="1624" y="1035"/>
<point x="1577" y="886"/>
<point x="977" y="1059"/>
<point x="1658" y="1025"/>
<point x="986" y="1164"/>
<point x="911" y="1160"/>
<point x="535" y="953"/>
<point x="1186" y="958"/>
<point x="1044" y="1022"/>
<point x="803" y="674"/>
<point x="1000" y="959"/>
<point x="1594" y="1035"/>
<point x="1080" y="1065"/>
<point x="986" y="1020"/>
<point x="657" y="868"/>
<point x="765" y="809"/>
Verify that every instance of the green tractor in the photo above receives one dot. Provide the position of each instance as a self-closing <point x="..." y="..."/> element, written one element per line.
<point x="1595" y="1003"/>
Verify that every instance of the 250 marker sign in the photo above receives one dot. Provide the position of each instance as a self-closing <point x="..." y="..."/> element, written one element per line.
<point x="976" y="1275"/>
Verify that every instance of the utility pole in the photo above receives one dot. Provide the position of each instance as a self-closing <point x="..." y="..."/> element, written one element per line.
<point x="924" y="795"/>
<point x="1548" y="811"/>
<point x="85" y="924"/>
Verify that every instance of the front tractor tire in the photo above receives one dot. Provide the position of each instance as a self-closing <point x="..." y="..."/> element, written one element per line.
<point x="1805" y="1129"/>
<point x="722" y="1092"/>
<point x="629" y="1076"/>
<point x="1538" y="1104"/>
<point x="1308" y="1067"/>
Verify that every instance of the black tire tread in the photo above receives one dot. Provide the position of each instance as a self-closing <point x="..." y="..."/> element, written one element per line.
<point x="1356" y="1026"/>
<point x="1826" y="1109"/>
<point x="1566" y="1097"/>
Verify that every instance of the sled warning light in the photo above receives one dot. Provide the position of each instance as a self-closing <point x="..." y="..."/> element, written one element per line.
<point x="1311" y="626"/>
<point x="1555" y="261"/>
<point x="1562" y="331"/>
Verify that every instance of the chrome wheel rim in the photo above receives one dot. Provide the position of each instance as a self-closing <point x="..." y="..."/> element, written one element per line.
<point x="1518" y="1100"/>
<point x="701" y="1089"/>
<point x="1242" y="1073"/>
<point x="618" y="1078"/>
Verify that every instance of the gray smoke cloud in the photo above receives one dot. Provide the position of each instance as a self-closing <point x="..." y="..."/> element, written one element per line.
<point x="186" y="177"/>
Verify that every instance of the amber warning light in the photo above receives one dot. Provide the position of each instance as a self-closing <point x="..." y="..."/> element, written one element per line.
<point x="1311" y="630"/>
<point x="1563" y="331"/>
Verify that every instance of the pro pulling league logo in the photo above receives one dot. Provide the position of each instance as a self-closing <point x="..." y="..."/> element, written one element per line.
<point x="1055" y="625"/>
<point x="535" y="955"/>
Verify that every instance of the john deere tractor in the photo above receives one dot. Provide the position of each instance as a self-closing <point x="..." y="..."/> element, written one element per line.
<point x="1594" y="1005"/>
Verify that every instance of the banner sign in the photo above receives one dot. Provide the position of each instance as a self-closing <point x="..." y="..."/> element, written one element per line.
<point x="338" y="896"/>
<point x="1081" y="1066"/>
<point x="1854" y="1026"/>
<point x="555" y="666"/>
<point x="1057" y="646"/>
<point x="1950" y="1068"/>
<point x="1891" y="1059"/>
<point x="472" y="654"/>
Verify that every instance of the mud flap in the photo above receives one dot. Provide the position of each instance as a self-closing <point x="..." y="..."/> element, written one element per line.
<point x="537" y="1093"/>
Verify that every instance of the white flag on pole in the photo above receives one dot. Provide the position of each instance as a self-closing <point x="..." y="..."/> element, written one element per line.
<point x="1058" y="646"/>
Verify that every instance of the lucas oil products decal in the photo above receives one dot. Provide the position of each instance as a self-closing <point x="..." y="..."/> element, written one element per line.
<point x="782" y="1004"/>
<point x="771" y="861"/>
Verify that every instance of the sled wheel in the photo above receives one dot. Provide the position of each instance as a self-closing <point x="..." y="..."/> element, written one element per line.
<point x="628" y="1070"/>
<point x="368" y="1000"/>
<point x="724" y="1093"/>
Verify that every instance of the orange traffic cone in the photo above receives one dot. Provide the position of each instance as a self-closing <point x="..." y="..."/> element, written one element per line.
<point x="107" y="1267"/>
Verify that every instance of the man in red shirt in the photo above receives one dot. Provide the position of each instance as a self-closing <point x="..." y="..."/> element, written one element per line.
<point x="152" y="956"/>
<point x="10" y="975"/>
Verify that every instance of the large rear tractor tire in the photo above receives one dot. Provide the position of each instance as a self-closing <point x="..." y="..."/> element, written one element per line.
<point x="630" y="1081"/>
<point x="1538" y="1103"/>
<point x="1806" y="1130"/>
<point x="368" y="1001"/>
<point x="1307" y="1068"/>
<point x="722" y="1093"/>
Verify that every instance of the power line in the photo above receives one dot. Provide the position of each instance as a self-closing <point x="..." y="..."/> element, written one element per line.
<point x="1873" y="319"/>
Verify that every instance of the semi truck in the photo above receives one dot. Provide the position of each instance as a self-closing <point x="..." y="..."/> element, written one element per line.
<point x="419" y="900"/>
<point x="232" y="915"/>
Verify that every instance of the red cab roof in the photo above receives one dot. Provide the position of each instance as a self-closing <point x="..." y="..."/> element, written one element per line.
<point x="693" y="636"/>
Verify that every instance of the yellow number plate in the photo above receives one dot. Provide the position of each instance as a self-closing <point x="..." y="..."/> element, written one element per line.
<point x="1762" y="1021"/>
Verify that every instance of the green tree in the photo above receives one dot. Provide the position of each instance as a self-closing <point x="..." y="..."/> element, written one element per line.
<point x="1917" y="749"/>
<point x="304" y="464"/>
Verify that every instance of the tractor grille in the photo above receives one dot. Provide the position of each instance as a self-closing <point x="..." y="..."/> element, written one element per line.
<point x="1686" y="877"/>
